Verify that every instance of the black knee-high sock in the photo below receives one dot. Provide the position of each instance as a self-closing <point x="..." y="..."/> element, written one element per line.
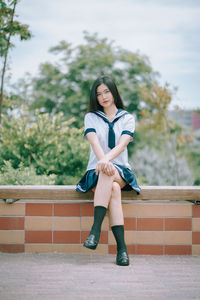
<point x="99" y="214"/>
<point x="118" y="232"/>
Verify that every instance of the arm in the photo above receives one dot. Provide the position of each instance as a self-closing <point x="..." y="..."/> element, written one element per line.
<point x="94" y="142"/>
<point x="121" y="146"/>
<point x="103" y="163"/>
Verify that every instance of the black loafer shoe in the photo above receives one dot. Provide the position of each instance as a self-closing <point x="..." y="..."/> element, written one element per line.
<point x="91" y="242"/>
<point x="122" y="259"/>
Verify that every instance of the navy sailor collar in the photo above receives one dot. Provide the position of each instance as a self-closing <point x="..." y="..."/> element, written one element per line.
<point x="120" y="113"/>
<point x="111" y="133"/>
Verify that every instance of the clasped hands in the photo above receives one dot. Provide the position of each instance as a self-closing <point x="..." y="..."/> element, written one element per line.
<point x="105" y="166"/>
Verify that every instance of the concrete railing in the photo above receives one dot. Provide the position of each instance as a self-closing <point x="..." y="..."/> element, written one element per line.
<point x="175" y="193"/>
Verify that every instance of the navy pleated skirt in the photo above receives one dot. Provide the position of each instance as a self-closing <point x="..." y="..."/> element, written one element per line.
<point x="89" y="180"/>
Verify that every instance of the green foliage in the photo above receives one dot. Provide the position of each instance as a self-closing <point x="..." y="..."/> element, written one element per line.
<point x="10" y="28"/>
<point x="65" y="85"/>
<point x="51" y="145"/>
<point x="23" y="176"/>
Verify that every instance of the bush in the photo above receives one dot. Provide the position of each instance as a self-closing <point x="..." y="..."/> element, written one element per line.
<point x="23" y="176"/>
<point x="50" y="144"/>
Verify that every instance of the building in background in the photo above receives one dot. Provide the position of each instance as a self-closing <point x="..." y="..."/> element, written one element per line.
<point x="190" y="119"/>
<point x="187" y="118"/>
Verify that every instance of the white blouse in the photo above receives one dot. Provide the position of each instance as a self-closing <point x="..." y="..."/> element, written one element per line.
<point x="95" y="122"/>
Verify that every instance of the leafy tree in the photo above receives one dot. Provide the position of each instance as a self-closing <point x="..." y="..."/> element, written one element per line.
<point x="8" y="28"/>
<point x="161" y="134"/>
<point x="50" y="145"/>
<point x="65" y="85"/>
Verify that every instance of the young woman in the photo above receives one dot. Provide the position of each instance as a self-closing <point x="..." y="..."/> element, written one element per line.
<point x="109" y="129"/>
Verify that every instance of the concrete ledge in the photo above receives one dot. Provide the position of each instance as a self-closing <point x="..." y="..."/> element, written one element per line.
<point x="177" y="193"/>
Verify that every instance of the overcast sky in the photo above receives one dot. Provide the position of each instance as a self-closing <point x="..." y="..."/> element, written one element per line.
<point x="167" y="31"/>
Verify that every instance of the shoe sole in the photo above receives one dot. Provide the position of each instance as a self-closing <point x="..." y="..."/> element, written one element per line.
<point x="90" y="247"/>
<point x="123" y="265"/>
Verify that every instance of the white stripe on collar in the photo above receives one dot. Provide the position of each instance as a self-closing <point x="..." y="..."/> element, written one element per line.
<point x="118" y="115"/>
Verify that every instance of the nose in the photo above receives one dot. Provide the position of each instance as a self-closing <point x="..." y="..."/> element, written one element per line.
<point x="103" y="95"/>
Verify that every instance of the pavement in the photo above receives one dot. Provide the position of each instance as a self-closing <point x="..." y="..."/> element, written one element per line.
<point x="58" y="276"/>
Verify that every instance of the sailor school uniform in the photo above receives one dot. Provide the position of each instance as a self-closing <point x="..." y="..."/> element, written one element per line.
<point x="109" y="134"/>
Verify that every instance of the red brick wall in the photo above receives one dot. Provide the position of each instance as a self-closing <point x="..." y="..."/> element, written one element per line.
<point x="157" y="228"/>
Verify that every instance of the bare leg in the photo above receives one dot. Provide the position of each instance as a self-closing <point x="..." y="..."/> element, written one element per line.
<point x="117" y="222"/>
<point x="115" y="206"/>
<point x="103" y="190"/>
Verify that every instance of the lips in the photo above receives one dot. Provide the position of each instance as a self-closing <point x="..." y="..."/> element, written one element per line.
<point x="106" y="101"/>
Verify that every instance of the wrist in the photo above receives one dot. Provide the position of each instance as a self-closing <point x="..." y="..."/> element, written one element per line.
<point x="106" y="157"/>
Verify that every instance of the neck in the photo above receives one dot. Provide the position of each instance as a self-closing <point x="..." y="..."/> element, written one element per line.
<point x="110" y="111"/>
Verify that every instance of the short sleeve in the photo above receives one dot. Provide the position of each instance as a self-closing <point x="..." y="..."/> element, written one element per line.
<point x="128" y="125"/>
<point x="89" y="123"/>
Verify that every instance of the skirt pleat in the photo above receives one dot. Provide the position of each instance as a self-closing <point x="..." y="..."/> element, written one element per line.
<point x="90" y="178"/>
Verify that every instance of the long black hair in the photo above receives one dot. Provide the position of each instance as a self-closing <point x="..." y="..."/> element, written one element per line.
<point x="93" y="104"/>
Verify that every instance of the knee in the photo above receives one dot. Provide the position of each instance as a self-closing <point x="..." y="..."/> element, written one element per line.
<point x="104" y="177"/>
<point x="116" y="189"/>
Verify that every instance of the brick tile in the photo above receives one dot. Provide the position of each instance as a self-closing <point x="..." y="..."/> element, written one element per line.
<point x="150" y="210"/>
<point x="177" y="210"/>
<point x="178" y="224"/>
<point x="39" y="248"/>
<point x="66" y="223"/>
<point x="12" y="248"/>
<point x="196" y="211"/>
<point x="129" y="210"/>
<point x="38" y="223"/>
<point x="66" y="237"/>
<point x="16" y="209"/>
<point x="87" y="209"/>
<point x="150" y="237"/>
<point x="67" y="209"/>
<point x="152" y="224"/>
<point x="39" y="209"/>
<point x="11" y="223"/>
<point x="112" y="249"/>
<point x="103" y="237"/>
<point x="196" y="250"/>
<point x="130" y="223"/>
<point x="150" y="249"/>
<point x="67" y="248"/>
<point x="43" y="237"/>
<point x="196" y="224"/>
<point x="131" y="249"/>
<point x="178" y="237"/>
<point x="12" y="237"/>
<point x="196" y="238"/>
<point x="130" y="237"/>
<point x="178" y="250"/>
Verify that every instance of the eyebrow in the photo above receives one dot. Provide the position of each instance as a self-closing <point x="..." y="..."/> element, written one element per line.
<point x="103" y="91"/>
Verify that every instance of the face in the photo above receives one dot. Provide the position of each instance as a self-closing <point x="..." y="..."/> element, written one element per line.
<point x="104" y="96"/>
